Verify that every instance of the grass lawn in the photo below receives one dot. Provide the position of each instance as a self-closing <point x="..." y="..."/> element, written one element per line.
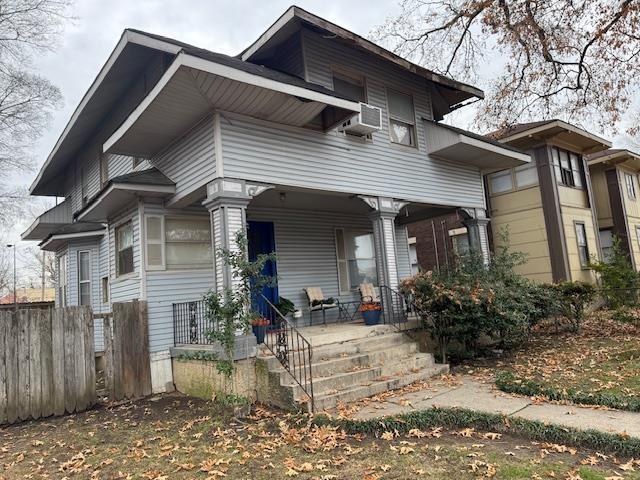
<point x="603" y="358"/>
<point x="174" y="437"/>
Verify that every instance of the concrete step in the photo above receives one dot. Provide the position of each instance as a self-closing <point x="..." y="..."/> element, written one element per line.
<point x="339" y="381"/>
<point x="353" y="393"/>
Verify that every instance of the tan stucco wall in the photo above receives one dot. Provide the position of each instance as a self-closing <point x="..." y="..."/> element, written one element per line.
<point x="521" y="213"/>
<point x="201" y="379"/>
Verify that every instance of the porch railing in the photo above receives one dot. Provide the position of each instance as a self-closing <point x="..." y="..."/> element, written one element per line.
<point x="191" y="323"/>
<point x="290" y="347"/>
<point x="397" y="308"/>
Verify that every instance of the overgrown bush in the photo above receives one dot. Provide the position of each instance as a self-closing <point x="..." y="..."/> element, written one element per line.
<point x="619" y="281"/>
<point x="573" y="298"/>
<point x="475" y="300"/>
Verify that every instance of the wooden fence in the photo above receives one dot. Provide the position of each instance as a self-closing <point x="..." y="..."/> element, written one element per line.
<point x="47" y="363"/>
<point x="126" y="340"/>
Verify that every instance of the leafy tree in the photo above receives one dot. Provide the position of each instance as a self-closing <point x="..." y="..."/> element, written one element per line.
<point x="620" y="282"/>
<point x="557" y="58"/>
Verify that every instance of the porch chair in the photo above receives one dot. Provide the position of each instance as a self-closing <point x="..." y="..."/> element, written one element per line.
<point x="369" y="293"/>
<point x="317" y="301"/>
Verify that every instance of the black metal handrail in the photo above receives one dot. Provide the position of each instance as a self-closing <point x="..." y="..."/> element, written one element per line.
<point x="191" y="323"/>
<point x="397" y="308"/>
<point x="290" y="347"/>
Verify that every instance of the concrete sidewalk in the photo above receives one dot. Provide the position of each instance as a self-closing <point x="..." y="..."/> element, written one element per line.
<point x="475" y="395"/>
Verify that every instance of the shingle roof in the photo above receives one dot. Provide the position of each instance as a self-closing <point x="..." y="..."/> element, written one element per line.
<point x="517" y="128"/>
<point x="248" y="67"/>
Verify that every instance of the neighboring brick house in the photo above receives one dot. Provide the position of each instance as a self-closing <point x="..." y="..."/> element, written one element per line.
<point x="437" y="241"/>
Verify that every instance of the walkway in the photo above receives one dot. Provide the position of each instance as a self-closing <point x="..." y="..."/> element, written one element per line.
<point x="475" y="395"/>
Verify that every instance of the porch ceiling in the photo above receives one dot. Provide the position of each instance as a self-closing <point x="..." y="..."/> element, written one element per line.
<point x="455" y="144"/>
<point x="310" y="200"/>
<point x="192" y="87"/>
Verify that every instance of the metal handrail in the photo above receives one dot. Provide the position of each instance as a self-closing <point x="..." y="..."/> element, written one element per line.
<point x="396" y="308"/>
<point x="290" y="347"/>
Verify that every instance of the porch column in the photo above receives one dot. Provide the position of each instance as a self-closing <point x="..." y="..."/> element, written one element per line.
<point x="385" y="211"/>
<point x="476" y="223"/>
<point x="227" y="201"/>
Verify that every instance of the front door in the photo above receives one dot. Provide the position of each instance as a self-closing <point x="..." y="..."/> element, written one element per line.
<point x="261" y="240"/>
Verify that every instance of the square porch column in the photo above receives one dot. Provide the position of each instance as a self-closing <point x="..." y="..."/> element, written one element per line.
<point x="476" y="223"/>
<point x="227" y="201"/>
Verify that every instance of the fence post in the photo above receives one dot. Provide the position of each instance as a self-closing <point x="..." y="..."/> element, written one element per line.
<point x="4" y="324"/>
<point x="58" y="361"/>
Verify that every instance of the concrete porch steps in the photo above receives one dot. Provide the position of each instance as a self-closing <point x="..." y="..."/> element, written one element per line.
<point x="349" y="362"/>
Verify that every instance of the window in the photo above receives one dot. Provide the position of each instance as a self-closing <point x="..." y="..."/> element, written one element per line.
<point x="568" y="167"/>
<point x="62" y="280"/>
<point x="188" y="243"/>
<point x="501" y="182"/>
<point x="460" y="241"/>
<point x="84" y="278"/>
<point x="105" y="289"/>
<point x="356" y="259"/>
<point x="350" y="86"/>
<point x="402" y="119"/>
<point x="583" y="248"/>
<point x="124" y="248"/>
<point x="606" y="243"/>
<point x="526" y="175"/>
<point x="630" y="185"/>
<point x="155" y="242"/>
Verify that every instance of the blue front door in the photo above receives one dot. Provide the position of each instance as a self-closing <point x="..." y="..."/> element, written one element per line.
<point x="261" y="240"/>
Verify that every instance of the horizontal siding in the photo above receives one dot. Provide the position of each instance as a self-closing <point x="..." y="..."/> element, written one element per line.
<point x="288" y="57"/>
<point x="267" y="152"/>
<point x="128" y="288"/>
<point x="402" y="249"/>
<point x="119" y="165"/>
<point x="190" y="161"/>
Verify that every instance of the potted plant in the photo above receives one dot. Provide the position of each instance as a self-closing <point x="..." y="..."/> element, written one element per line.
<point x="371" y="312"/>
<point x="259" y="326"/>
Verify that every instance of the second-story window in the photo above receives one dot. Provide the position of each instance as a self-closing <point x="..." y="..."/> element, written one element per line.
<point x="402" y="119"/>
<point x="568" y="167"/>
<point x="630" y="185"/>
<point x="350" y="86"/>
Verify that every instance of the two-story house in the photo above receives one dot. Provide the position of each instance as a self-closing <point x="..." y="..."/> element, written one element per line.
<point x="547" y="206"/>
<point x="319" y="143"/>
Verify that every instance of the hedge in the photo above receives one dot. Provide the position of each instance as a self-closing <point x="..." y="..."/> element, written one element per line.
<point x="462" y="418"/>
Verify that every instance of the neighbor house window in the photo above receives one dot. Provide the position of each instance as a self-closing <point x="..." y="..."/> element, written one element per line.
<point x="124" y="248"/>
<point x="460" y="241"/>
<point x="526" y="175"/>
<point x="356" y="259"/>
<point x="84" y="278"/>
<point x="188" y="243"/>
<point x="568" y="167"/>
<point x="630" y="185"/>
<point x="606" y="243"/>
<point x="583" y="248"/>
<point x="351" y="86"/>
<point x="413" y="256"/>
<point x="62" y="280"/>
<point x="402" y="119"/>
<point x="500" y="182"/>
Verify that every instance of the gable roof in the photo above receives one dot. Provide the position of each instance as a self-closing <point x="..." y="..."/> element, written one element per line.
<point x="294" y="15"/>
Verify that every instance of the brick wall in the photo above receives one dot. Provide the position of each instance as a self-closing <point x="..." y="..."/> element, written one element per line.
<point x="439" y="252"/>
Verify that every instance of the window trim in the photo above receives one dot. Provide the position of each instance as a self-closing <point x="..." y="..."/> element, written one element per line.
<point x="630" y="187"/>
<point x="161" y="241"/>
<point x="350" y="74"/>
<point x="80" y="281"/>
<point x="349" y="290"/>
<point x="62" y="285"/>
<point x="583" y="266"/>
<point x="558" y="169"/>
<point x="401" y="120"/>
<point x="117" y="251"/>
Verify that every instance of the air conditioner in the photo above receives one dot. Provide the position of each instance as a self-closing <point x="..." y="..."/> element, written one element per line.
<point x="367" y="121"/>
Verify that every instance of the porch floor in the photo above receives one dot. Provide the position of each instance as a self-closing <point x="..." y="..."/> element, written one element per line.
<point x="344" y="332"/>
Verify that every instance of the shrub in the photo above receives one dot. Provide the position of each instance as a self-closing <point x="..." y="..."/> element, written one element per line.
<point x="573" y="300"/>
<point x="618" y="278"/>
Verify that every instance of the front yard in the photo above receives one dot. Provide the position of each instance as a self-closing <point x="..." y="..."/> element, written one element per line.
<point x="600" y="365"/>
<point x="174" y="437"/>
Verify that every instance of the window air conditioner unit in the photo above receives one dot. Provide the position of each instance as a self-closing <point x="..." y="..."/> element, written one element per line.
<point x="367" y="121"/>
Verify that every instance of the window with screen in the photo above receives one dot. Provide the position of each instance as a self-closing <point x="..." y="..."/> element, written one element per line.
<point x="350" y="86"/>
<point x="124" y="248"/>
<point x="583" y="247"/>
<point x="356" y="259"/>
<point x="402" y="119"/>
<point x="84" y="278"/>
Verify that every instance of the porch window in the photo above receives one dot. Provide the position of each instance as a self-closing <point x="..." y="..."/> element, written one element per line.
<point x="568" y="167"/>
<point x="62" y="280"/>
<point x="630" y="185"/>
<point x="84" y="277"/>
<point x="124" y="248"/>
<point x="402" y="119"/>
<point x="356" y="259"/>
<point x="188" y="243"/>
<point x="500" y="182"/>
<point x="583" y="248"/>
<point x="526" y="175"/>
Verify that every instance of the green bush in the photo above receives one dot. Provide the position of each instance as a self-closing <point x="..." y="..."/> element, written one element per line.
<point x="619" y="281"/>
<point x="475" y="300"/>
<point x="573" y="298"/>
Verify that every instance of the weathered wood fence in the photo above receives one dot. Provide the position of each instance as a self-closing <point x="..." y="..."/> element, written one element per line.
<point x="47" y="363"/>
<point x="126" y="340"/>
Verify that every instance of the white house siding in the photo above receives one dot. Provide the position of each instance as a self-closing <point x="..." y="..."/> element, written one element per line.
<point x="128" y="287"/>
<point x="119" y="165"/>
<point x="267" y="152"/>
<point x="190" y="161"/>
<point x="59" y="252"/>
<point x="289" y="57"/>
<point x="402" y="252"/>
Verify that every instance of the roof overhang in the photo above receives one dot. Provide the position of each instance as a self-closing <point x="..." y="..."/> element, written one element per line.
<point x="116" y="196"/>
<point x="55" y="241"/>
<point x="625" y="158"/>
<point x="192" y="87"/>
<point x="130" y="56"/>
<point x="291" y="19"/>
<point x="465" y="147"/>
<point x="563" y="132"/>
<point x="49" y="221"/>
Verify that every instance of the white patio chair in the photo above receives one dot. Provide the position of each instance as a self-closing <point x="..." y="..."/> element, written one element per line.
<point x="318" y="302"/>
